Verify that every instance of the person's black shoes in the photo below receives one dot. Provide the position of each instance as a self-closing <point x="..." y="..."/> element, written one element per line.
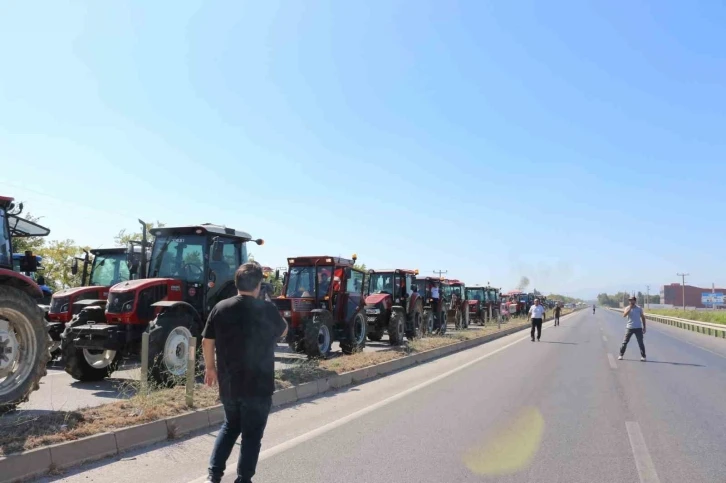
<point x="532" y="339"/>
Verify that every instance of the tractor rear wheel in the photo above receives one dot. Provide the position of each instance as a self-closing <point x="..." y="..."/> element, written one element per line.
<point x="396" y="328"/>
<point x="23" y="347"/>
<point x="169" y="341"/>
<point x="319" y="335"/>
<point x="457" y="320"/>
<point x="355" y="335"/>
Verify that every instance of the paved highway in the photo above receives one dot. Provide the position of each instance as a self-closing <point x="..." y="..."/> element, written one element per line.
<point x="560" y="410"/>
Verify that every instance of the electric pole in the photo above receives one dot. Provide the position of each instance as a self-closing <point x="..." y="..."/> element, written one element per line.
<point x="647" y="297"/>
<point x="440" y="272"/>
<point x="683" y="287"/>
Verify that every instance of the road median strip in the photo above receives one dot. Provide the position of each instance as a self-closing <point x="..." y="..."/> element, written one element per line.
<point x="85" y="435"/>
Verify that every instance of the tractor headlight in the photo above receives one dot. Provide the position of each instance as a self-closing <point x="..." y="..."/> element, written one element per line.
<point x="128" y="306"/>
<point x="64" y="308"/>
<point x="287" y="313"/>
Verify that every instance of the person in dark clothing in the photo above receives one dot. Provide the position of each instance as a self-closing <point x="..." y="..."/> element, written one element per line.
<point x="558" y="310"/>
<point x="636" y="325"/>
<point x="242" y="331"/>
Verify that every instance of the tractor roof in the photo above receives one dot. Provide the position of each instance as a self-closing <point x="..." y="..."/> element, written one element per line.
<point x="319" y="260"/>
<point x="5" y="200"/>
<point x="203" y="229"/>
<point x="392" y="270"/>
<point x="109" y="251"/>
<point x="454" y="281"/>
<point x="20" y="227"/>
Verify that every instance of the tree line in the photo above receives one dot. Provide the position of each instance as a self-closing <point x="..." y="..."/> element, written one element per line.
<point x="615" y="300"/>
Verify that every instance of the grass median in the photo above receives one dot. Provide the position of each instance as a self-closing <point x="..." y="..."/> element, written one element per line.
<point x="24" y="430"/>
<point x="712" y="316"/>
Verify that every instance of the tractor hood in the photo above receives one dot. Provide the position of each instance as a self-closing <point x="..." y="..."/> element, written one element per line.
<point x="143" y="283"/>
<point x="75" y="291"/>
<point x="473" y="302"/>
<point x="377" y="298"/>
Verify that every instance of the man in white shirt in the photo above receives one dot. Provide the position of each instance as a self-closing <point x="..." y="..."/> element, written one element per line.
<point x="536" y="315"/>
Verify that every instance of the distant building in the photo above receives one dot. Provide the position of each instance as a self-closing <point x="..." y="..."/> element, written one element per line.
<point x="698" y="297"/>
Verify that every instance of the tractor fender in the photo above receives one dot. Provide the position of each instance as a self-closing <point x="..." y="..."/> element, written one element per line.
<point x="173" y="310"/>
<point x="21" y="282"/>
<point x="324" y="314"/>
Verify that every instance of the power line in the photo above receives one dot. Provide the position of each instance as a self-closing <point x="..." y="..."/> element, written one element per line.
<point x="440" y="272"/>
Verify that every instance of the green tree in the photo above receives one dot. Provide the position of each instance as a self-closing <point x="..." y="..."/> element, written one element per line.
<point x="123" y="237"/>
<point x="57" y="259"/>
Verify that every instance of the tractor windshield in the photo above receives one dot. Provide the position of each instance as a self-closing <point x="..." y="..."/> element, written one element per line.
<point x="109" y="269"/>
<point x="179" y="256"/>
<point x="450" y="290"/>
<point x="380" y="283"/>
<point x="5" y="250"/>
<point x="492" y="296"/>
<point x="301" y="281"/>
<point x="476" y="293"/>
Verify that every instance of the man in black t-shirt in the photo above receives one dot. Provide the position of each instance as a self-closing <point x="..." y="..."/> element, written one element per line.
<point x="243" y="332"/>
<point x="558" y="311"/>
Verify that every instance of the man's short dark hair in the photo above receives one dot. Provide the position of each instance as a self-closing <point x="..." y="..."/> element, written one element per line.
<point x="248" y="276"/>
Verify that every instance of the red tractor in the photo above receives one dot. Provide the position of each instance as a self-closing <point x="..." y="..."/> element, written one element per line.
<point x="107" y="268"/>
<point x="322" y="302"/>
<point x="483" y="303"/>
<point x="434" y="312"/>
<point x="457" y="308"/>
<point x="190" y="270"/>
<point x="23" y="337"/>
<point x="393" y="304"/>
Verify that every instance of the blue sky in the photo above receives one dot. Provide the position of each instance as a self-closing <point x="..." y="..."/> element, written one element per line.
<point x="577" y="143"/>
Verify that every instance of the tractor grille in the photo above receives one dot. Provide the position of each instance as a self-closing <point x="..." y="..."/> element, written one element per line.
<point x="117" y="301"/>
<point x="299" y="305"/>
<point x="57" y="303"/>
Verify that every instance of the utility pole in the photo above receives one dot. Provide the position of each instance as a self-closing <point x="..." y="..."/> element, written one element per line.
<point x="440" y="272"/>
<point x="683" y="287"/>
<point x="647" y="297"/>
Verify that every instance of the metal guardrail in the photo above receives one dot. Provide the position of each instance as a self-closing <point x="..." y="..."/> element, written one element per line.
<point x="708" y="328"/>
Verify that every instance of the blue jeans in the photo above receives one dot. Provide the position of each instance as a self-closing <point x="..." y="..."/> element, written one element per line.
<point x="248" y="417"/>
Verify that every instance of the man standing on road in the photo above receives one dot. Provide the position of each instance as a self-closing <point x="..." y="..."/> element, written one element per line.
<point x="536" y="315"/>
<point x="243" y="332"/>
<point x="558" y="310"/>
<point x="636" y="325"/>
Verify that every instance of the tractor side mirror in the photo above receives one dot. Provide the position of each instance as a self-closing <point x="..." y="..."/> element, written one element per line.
<point x="74" y="267"/>
<point x="284" y="278"/>
<point x="277" y="275"/>
<point x="28" y="263"/>
<point x="217" y="250"/>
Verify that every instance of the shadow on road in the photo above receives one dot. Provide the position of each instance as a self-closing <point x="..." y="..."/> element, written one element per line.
<point x="556" y="342"/>
<point x="667" y="362"/>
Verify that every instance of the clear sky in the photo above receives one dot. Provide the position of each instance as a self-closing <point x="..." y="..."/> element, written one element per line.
<point x="580" y="144"/>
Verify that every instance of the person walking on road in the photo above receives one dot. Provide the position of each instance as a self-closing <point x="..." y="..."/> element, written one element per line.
<point x="536" y="315"/>
<point x="636" y="325"/>
<point x="558" y="311"/>
<point x="242" y="332"/>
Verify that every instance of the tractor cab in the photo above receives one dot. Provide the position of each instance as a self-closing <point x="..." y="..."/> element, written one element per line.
<point x="190" y="269"/>
<point x="322" y="301"/>
<point x="23" y="337"/>
<point x="477" y="302"/>
<point x="394" y="304"/>
<point x="456" y="303"/>
<point x="431" y="291"/>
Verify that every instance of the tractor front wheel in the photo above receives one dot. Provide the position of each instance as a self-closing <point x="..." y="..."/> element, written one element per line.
<point x="169" y="341"/>
<point x="318" y="336"/>
<point x="376" y="334"/>
<point x="396" y="328"/>
<point x="355" y="335"/>
<point x="23" y="347"/>
<point x="415" y="330"/>
<point x="442" y="322"/>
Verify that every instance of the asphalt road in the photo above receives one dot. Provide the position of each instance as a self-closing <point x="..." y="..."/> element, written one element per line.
<point x="560" y="410"/>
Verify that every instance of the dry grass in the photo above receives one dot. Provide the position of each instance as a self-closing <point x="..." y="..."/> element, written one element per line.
<point x="25" y="430"/>
<point x="712" y="316"/>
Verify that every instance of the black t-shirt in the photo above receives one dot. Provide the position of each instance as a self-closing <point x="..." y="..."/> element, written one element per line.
<point x="245" y="332"/>
<point x="557" y="310"/>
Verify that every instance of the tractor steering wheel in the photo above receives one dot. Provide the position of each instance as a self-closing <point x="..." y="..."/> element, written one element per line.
<point x="187" y="266"/>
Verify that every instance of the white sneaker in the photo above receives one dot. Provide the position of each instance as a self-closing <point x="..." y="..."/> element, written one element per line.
<point x="620" y="358"/>
<point x="642" y="359"/>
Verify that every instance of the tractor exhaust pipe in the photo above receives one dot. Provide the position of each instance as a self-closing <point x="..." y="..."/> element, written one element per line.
<point x="144" y="243"/>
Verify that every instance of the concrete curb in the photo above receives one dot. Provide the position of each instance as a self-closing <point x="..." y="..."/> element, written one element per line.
<point x="36" y="462"/>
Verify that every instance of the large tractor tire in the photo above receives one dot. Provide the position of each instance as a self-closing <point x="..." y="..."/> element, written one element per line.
<point x="297" y="346"/>
<point x="415" y="327"/>
<point x="376" y="334"/>
<point x="355" y="335"/>
<point x="23" y="347"/>
<point x="87" y="364"/>
<point x="169" y="340"/>
<point x="396" y="327"/>
<point x="428" y="322"/>
<point x="319" y="335"/>
<point x="458" y="320"/>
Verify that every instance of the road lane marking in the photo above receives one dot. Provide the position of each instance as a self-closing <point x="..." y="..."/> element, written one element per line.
<point x="691" y="343"/>
<point x="611" y="360"/>
<point x="646" y="469"/>
<point x="605" y="339"/>
<point x="291" y="443"/>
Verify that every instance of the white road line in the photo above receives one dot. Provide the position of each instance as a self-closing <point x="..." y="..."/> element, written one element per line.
<point x="690" y="343"/>
<point x="646" y="469"/>
<point x="612" y="362"/>
<point x="291" y="443"/>
<point x="605" y="339"/>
